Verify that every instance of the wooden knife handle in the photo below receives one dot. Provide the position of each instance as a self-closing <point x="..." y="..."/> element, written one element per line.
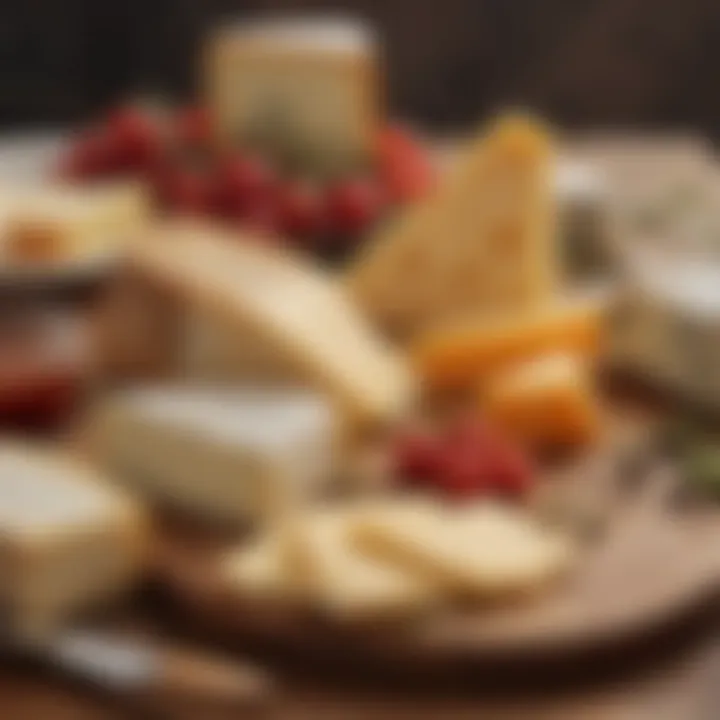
<point x="160" y="675"/>
<point x="201" y="685"/>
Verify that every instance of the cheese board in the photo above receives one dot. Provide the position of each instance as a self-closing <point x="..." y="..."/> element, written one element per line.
<point x="650" y="561"/>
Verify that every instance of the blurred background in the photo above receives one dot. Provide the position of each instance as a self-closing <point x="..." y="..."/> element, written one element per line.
<point x="584" y="62"/>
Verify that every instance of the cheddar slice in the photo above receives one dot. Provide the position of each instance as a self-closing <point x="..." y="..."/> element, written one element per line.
<point x="483" y="243"/>
<point x="547" y="400"/>
<point x="463" y="354"/>
<point x="268" y="301"/>
<point x="481" y="552"/>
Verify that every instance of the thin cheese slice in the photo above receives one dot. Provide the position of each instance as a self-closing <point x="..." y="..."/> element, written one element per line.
<point x="267" y="297"/>
<point x="485" y="242"/>
<point x="320" y="564"/>
<point x="481" y="552"/>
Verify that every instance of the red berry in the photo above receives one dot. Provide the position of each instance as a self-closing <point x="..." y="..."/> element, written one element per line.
<point x="194" y="127"/>
<point x="352" y="205"/>
<point x="244" y="181"/>
<point x="183" y="190"/>
<point x="301" y="210"/>
<point x="91" y="155"/>
<point x="405" y="166"/>
<point x="417" y="456"/>
<point x="509" y="471"/>
<point x="462" y="473"/>
<point x="137" y="136"/>
<point x="260" y="219"/>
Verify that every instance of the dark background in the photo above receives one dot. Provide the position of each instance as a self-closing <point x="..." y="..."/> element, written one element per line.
<point x="584" y="62"/>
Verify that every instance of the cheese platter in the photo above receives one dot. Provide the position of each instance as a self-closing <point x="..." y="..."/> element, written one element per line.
<point x="408" y="461"/>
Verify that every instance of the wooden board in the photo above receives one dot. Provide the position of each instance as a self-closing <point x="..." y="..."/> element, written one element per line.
<point x="656" y="559"/>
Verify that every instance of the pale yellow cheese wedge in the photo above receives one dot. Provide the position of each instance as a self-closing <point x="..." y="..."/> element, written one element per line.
<point x="267" y="298"/>
<point x="480" y="552"/>
<point x="483" y="243"/>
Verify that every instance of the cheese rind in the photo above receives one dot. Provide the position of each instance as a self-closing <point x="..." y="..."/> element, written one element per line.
<point x="233" y="454"/>
<point x="68" y="540"/>
<point x="270" y="298"/>
<point x="483" y="243"/>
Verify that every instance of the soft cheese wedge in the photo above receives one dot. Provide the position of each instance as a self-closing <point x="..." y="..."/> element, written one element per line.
<point x="264" y="302"/>
<point x="227" y="453"/>
<point x="67" y="539"/>
<point x="481" y="552"/>
<point x="321" y="564"/>
<point x="483" y="243"/>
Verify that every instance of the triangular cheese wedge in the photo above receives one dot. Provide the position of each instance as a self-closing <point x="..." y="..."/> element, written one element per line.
<point x="262" y="302"/>
<point x="484" y="242"/>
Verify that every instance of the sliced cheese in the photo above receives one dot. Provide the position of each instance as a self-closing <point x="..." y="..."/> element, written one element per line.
<point x="66" y="223"/>
<point x="266" y="298"/>
<point x="228" y="453"/>
<point x="255" y="571"/>
<point x="481" y="552"/>
<point x="462" y="354"/>
<point x="484" y="243"/>
<point x="548" y="400"/>
<point x="67" y="539"/>
<point x="321" y="565"/>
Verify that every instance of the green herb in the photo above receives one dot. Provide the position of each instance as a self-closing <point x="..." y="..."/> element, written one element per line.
<point x="701" y="468"/>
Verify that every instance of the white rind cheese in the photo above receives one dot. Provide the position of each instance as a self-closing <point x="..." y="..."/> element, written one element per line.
<point x="227" y="453"/>
<point x="67" y="539"/>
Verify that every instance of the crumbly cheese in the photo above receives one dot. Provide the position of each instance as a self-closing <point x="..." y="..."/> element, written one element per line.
<point x="483" y="242"/>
